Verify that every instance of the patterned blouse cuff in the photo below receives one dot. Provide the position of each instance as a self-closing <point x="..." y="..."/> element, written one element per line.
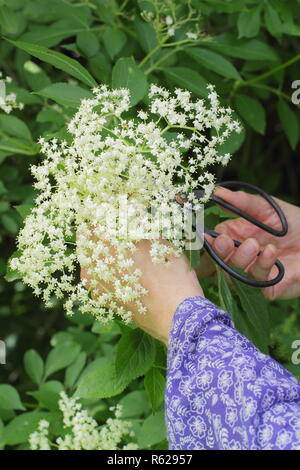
<point x="190" y="320"/>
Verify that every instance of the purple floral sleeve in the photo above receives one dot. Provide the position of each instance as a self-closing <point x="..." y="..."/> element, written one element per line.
<point x="222" y="392"/>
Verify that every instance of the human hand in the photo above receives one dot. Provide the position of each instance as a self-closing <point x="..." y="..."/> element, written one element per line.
<point x="167" y="285"/>
<point x="286" y="248"/>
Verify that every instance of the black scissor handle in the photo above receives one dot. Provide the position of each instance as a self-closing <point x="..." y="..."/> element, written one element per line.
<point x="244" y="215"/>
<point x="236" y="274"/>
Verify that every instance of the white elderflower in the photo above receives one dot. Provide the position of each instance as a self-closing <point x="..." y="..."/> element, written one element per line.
<point x="83" y="431"/>
<point x="109" y="187"/>
<point x="38" y="440"/>
<point x="191" y="35"/>
<point x="169" y="20"/>
<point x="8" y="102"/>
<point x="171" y="32"/>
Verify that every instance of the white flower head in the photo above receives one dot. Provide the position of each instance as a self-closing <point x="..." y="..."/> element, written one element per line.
<point x="112" y="184"/>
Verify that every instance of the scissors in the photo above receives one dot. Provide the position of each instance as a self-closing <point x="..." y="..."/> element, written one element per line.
<point x="277" y="233"/>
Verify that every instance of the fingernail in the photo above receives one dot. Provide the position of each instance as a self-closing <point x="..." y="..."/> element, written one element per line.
<point x="250" y="248"/>
<point x="221" y="244"/>
<point x="270" y="251"/>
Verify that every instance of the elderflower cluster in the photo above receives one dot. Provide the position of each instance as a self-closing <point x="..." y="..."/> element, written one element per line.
<point x="82" y="431"/>
<point x="167" y="17"/>
<point x="8" y="102"/>
<point x="111" y="160"/>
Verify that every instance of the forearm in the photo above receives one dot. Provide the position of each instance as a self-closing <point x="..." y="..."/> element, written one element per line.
<point x="222" y="393"/>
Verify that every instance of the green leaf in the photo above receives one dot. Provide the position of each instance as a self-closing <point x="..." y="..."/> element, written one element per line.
<point x="50" y="115"/>
<point x="213" y="61"/>
<point x="106" y="13"/>
<point x="61" y="356"/>
<point x="11" y="274"/>
<point x="126" y="74"/>
<point x="87" y="43"/>
<point x="14" y="127"/>
<point x="256" y="309"/>
<point x="187" y="78"/>
<point x="74" y="370"/>
<point x="65" y="94"/>
<point x="34" y="365"/>
<point x="35" y="76"/>
<point x="239" y="317"/>
<point x="291" y="29"/>
<point x="24" y="210"/>
<point x="58" y="60"/>
<point x="17" y="148"/>
<point x="134" y="404"/>
<point x="153" y="430"/>
<point x="249" y="23"/>
<point x="193" y="258"/>
<point x="289" y="122"/>
<point x="232" y="143"/>
<point x="246" y="49"/>
<point x="272" y="20"/>
<point x="48" y="395"/>
<point x="99" y="380"/>
<point x="252" y="111"/>
<point x="12" y="23"/>
<point x="49" y="37"/>
<point x="228" y="303"/>
<point x="135" y="355"/>
<point x="114" y="40"/>
<point x="9" y="398"/>
<point x="146" y="34"/>
<point x="19" y="429"/>
<point x="155" y="384"/>
<point x="9" y="223"/>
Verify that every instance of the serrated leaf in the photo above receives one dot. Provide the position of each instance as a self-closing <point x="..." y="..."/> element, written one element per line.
<point x="272" y="20"/>
<point x="12" y="274"/>
<point x="74" y="370"/>
<point x="17" y="147"/>
<point x="87" y="43"/>
<point x="34" y="365"/>
<point x="9" y="398"/>
<point x="155" y="383"/>
<point x="24" y="210"/>
<point x="60" y="357"/>
<point x="135" y="355"/>
<point x="249" y="23"/>
<point x="187" y="78"/>
<point x="232" y="143"/>
<point x="99" y="380"/>
<point x="246" y="49"/>
<point x="58" y="60"/>
<point x="228" y="303"/>
<point x="18" y="430"/>
<point x="252" y="111"/>
<point x="49" y="37"/>
<point x="134" y="404"/>
<point x="48" y="395"/>
<point x="65" y="94"/>
<point x="213" y="61"/>
<point x="14" y="127"/>
<point x="255" y="307"/>
<point x="153" y="430"/>
<point x="126" y="74"/>
<point x="289" y="122"/>
<point x="114" y="39"/>
<point x="12" y="23"/>
<point x="146" y="34"/>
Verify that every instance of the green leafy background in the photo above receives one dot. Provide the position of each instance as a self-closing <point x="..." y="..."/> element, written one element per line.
<point x="55" y="52"/>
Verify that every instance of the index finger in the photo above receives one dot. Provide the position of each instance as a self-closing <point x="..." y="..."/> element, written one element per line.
<point x="252" y="204"/>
